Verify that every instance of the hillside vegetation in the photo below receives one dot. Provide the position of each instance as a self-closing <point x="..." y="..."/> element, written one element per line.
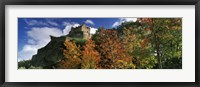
<point x="148" y="43"/>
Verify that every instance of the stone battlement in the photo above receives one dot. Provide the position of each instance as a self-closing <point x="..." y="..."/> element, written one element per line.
<point x="82" y="31"/>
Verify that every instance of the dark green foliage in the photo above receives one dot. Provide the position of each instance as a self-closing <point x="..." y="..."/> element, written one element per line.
<point x="173" y="63"/>
<point x="79" y="41"/>
<point x="24" y="63"/>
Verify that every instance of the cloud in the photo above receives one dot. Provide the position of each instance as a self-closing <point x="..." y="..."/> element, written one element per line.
<point x="27" y="52"/>
<point x="31" y="41"/>
<point x="89" y="22"/>
<point x="122" y="20"/>
<point x="117" y="23"/>
<point x="31" y="22"/>
<point x="52" y="23"/>
<point x="37" y="38"/>
<point x="42" y="34"/>
<point x="93" y="30"/>
<point x="68" y="27"/>
<point x="35" y="23"/>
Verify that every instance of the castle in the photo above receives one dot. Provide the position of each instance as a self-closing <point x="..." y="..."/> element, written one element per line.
<point x="82" y="31"/>
<point x="51" y="53"/>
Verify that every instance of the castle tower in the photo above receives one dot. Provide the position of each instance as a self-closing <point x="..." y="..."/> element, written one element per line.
<point x="86" y="31"/>
<point x="82" y="31"/>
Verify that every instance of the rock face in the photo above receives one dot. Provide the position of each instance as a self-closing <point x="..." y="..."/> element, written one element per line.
<point x="51" y="53"/>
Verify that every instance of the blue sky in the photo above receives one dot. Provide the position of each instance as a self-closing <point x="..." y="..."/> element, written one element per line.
<point x="33" y="33"/>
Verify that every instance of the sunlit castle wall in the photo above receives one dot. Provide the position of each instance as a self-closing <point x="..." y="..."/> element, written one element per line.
<point x="82" y="31"/>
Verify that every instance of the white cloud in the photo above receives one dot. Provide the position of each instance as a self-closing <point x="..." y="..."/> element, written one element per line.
<point x="52" y="23"/>
<point x="117" y="23"/>
<point x="31" y="41"/>
<point x="35" y="22"/>
<point x="38" y="37"/>
<point x="68" y="27"/>
<point x="42" y="34"/>
<point x="27" y="52"/>
<point x="89" y="22"/>
<point x="75" y="25"/>
<point x="93" y="30"/>
<point x="65" y="23"/>
<point x="32" y="22"/>
<point x="122" y="20"/>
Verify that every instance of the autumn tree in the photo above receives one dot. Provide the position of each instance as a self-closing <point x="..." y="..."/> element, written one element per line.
<point x="166" y="38"/>
<point x="137" y="44"/>
<point x="112" y="51"/>
<point x="72" y="56"/>
<point x="91" y="57"/>
<point x="129" y="39"/>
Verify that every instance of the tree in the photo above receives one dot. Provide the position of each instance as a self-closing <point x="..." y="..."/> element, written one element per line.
<point x="72" y="56"/>
<point x="112" y="51"/>
<point x="91" y="57"/>
<point x="24" y="64"/>
<point x="165" y="37"/>
<point x="129" y="39"/>
<point x="137" y="44"/>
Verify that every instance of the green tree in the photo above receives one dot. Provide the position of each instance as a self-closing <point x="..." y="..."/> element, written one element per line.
<point x="166" y="38"/>
<point x="137" y="44"/>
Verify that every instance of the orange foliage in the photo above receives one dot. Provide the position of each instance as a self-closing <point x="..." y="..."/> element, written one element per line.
<point x="112" y="51"/>
<point x="91" y="57"/>
<point x="146" y="20"/>
<point x="144" y="42"/>
<point x="72" y="55"/>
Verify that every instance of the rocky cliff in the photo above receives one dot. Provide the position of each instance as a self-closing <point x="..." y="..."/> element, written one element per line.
<point x="48" y="56"/>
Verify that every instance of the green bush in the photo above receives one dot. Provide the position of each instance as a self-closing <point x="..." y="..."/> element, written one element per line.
<point x="79" y="41"/>
<point x="24" y="64"/>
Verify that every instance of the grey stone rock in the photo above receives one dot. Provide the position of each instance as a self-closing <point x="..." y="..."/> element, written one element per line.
<point x="50" y="54"/>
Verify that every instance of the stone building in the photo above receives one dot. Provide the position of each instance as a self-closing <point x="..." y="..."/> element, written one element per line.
<point x="82" y="31"/>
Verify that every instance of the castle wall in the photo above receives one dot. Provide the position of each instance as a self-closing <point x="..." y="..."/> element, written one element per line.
<point x="80" y="32"/>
